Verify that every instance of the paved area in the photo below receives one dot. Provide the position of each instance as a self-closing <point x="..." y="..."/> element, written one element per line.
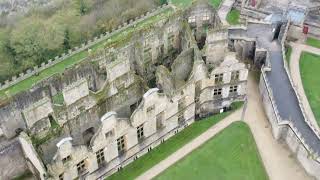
<point x="224" y="10"/>
<point x="297" y="49"/>
<point x="286" y="101"/>
<point x="276" y="157"/>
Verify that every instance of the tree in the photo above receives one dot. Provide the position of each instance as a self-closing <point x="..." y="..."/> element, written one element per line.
<point x="163" y="2"/>
<point x="66" y="40"/>
<point x="34" y="40"/>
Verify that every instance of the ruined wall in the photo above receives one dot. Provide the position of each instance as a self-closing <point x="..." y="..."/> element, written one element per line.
<point x="12" y="161"/>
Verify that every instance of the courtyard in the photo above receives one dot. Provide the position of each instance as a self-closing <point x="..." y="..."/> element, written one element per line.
<point x="159" y="153"/>
<point x="309" y="69"/>
<point x="231" y="154"/>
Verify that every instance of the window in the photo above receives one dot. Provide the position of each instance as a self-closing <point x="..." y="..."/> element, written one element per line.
<point x="235" y="75"/>
<point x="205" y="17"/>
<point x="159" y="119"/>
<point x="66" y="159"/>
<point x="100" y="157"/>
<point x="171" y="39"/>
<point x="140" y="132"/>
<point x="61" y="176"/>
<point x="218" y="78"/>
<point x="191" y="19"/>
<point x="150" y="108"/>
<point x="147" y="53"/>
<point x="233" y="89"/>
<point x="81" y="167"/>
<point x="108" y="134"/>
<point x="181" y="104"/>
<point x="181" y="119"/>
<point x="121" y="144"/>
<point x="217" y="92"/>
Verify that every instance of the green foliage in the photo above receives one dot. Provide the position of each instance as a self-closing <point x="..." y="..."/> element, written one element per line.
<point x="118" y="38"/>
<point x="33" y="39"/>
<point x="309" y="69"/>
<point x="313" y="42"/>
<point x="231" y="154"/>
<point x="159" y="153"/>
<point x="58" y="99"/>
<point x="47" y="32"/>
<point x="233" y="17"/>
<point x="26" y="175"/>
<point x="55" y="130"/>
<point x="288" y="54"/>
<point x="163" y="2"/>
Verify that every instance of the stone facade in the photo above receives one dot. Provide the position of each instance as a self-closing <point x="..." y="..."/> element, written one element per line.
<point x="125" y="99"/>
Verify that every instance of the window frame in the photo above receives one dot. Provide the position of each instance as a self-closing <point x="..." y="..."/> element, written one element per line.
<point x="100" y="157"/>
<point x="140" y="132"/>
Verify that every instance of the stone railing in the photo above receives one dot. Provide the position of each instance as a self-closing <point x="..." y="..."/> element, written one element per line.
<point x="275" y="109"/>
<point x="307" y="119"/>
<point x="286" y="122"/>
<point x="270" y="94"/>
<point x="71" y="52"/>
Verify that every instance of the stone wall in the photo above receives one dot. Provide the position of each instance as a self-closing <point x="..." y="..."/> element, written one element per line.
<point x="12" y="161"/>
<point x="76" y="50"/>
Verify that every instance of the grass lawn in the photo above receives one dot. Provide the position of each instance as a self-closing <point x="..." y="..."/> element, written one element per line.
<point x="288" y="55"/>
<point x="309" y="69"/>
<point x="233" y="17"/>
<point x="313" y="42"/>
<point x="186" y="3"/>
<point x="159" y="153"/>
<point x="60" y="67"/>
<point x="231" y="154"/>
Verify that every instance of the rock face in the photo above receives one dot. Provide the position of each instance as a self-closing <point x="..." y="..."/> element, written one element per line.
<point x="122" y="100"/>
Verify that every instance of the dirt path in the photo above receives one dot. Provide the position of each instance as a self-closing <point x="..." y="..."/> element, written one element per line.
<point x="296" y="78"/>
<point x="277" y="159"/>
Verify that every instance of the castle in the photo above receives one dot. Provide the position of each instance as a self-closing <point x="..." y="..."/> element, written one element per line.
<point x="124" y="99"/>
<point x="132" y="89"/>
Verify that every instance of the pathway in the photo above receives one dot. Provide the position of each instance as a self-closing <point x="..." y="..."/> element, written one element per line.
<point x="195" y="143"/>
<point x="297" y="49"/>
<point x="224" y="10"/>
<point x="276" y="157"/>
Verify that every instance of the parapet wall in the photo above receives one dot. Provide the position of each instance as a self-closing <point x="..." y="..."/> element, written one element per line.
<point x="85" y="46"/>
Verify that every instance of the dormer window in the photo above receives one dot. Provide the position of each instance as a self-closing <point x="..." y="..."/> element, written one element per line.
<point x="205" y="17"/>
<point x="108" y="134"/>
<point x="66" y="159"/>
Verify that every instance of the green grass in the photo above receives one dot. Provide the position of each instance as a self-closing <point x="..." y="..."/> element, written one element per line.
<point x="309" y="69"/>
<point x="159" y="153"/>
<point x="215" y="3"/>
<point x="187" y="3"/>
<point x="233" y="17"/>
<point x="231" y="154"/>
<point x="288" y="55"/>
<point x="60" y="67"/>
<point x="313" y="42"/>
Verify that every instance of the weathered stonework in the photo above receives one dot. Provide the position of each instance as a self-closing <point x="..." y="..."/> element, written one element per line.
<point x="126" y="98"/>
